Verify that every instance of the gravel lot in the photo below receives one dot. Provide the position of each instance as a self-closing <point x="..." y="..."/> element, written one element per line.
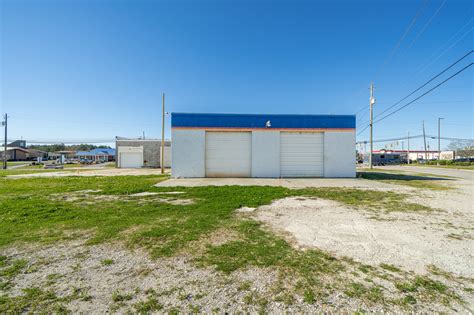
<point x="109" y="277"/>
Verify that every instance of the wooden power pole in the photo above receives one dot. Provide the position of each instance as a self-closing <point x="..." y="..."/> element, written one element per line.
<point x="408" y="148"/>
<point x="162" y="155"/>
<point x="424" y="140"/>
<point x="5" y="123"/>
<point x="371" y="104"/>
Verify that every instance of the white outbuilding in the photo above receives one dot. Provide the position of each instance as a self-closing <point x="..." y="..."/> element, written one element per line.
<point x="250" y="145"/>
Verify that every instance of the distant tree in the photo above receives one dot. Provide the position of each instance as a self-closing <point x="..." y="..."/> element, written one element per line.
<point x="463" y="148"/>
<point x="63" y="147"/>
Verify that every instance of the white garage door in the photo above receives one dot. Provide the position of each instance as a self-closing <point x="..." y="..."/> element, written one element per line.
<point x="131" y="160"/>
<point x="228" y="154"/>
<point x="302" y="154"/>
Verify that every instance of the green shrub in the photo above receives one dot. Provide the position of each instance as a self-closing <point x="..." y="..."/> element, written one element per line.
<point x="462" y="163"/>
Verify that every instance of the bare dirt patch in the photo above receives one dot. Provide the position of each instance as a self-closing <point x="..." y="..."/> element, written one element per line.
<point x="94" y="172"/>
<point x="410" y="240"/>
<point x="91" y="197"/>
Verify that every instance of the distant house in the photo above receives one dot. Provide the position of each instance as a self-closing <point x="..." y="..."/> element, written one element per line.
<point x="33" y="154"/>
<point x="17" y="144"/>
<point x="14" y="153"/>
<point x="66" y="153"/>
<point x="104" y="155"/>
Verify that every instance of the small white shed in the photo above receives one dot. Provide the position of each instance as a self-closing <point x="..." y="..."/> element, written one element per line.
<point x="137" y="153"/>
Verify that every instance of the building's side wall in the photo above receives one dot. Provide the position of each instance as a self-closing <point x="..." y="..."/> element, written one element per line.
<point x="339" y="154"/>
<point x="188" y="153"/>
<point x="265" y="154"/>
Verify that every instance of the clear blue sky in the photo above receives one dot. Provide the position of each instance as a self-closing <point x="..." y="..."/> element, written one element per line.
<point x="96" y="69"/>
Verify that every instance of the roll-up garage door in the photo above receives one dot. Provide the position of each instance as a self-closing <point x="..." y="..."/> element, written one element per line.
<point x="131" y="160"/>
<point x="302" y="154"/>
<point x="228" y="154"/>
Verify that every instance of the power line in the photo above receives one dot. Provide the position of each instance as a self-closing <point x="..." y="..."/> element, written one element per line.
<point x="428" y="61"/>
<point x="427" y="92"/>
<point x="419" y="88"/>
<point x="448" y="49"/>
<point x="429" y="81"/>
<point x="415" y="137"/>
<point x="404" y="35"/>
<point x="427" y="23"/>
<point x="458" y="31"/>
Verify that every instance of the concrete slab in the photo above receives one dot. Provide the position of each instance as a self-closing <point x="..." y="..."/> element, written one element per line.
<point x="283" y="182"/>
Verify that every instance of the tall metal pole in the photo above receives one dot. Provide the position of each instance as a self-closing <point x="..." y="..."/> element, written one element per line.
<point x="408" y="148"/>
<point x="371" y="103"/>
<point x="439" y="139"/>
<point x="163" y="137"/>
<point x="424" y="140"/>
<point x="5" y="143"/>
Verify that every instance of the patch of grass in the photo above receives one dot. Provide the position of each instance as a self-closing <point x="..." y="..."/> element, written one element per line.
<point x="245" y="286"/>
<point x="448" y="275"/>
<point x="118" y="296"/>
<point x="5" y="285"/>
<point x="370" y="294"/>
<point x="422" y="181"/>
<point x="409" y="299"/>
<point x="355" y="290"/>
<point x="466" y="167"/>
<point x="365" y="268"/>
<point x="390" y="267"/>
<point x="107" y="262"/>
<point x="308" y="296"/>
<point x="3" y="261"/>
<point x="406" y="286"/>
<point x="424" y="283"/>
<point x="366" y="199"/>
<point x="15" y="268"/>
<point x="148" y="306"/>
<point x="34" y="300"/>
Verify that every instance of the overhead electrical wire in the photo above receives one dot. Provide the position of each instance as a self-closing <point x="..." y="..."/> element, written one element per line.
<point x="402" y="38"/>
<point x="428" y="82"/>
<point x="427" y="92"/>
<point x="427" y="24"/>
<point x="448" y="49"/>
<point x="423" y="66"/>
<point x="414" y="137"/>
<point x="422" y="86"/>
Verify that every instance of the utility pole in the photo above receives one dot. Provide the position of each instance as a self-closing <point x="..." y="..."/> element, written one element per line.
<point x="163" y="137"/>
<point x="371" y="103"/>
<point x="424" y="140"/>
<point x="408" y="148"/>
<point x="439" y="139"/>
<point x="5" y="123"/>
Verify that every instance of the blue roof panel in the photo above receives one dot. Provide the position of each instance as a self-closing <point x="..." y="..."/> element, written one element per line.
<point x="195" y="120"/>
<point x="96" y="152"/>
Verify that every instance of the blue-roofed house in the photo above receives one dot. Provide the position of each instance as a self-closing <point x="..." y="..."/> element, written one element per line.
<point x="261" y="145"/>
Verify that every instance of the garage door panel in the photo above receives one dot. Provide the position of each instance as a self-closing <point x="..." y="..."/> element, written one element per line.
<point x="228" y="154"/>
<point x="131" y="160"/>
<point x="301" y="154"/>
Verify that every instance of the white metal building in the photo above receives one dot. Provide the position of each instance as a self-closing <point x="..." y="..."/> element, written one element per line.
<point x="244" y="145"/>
<point x="137" y="153"/>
